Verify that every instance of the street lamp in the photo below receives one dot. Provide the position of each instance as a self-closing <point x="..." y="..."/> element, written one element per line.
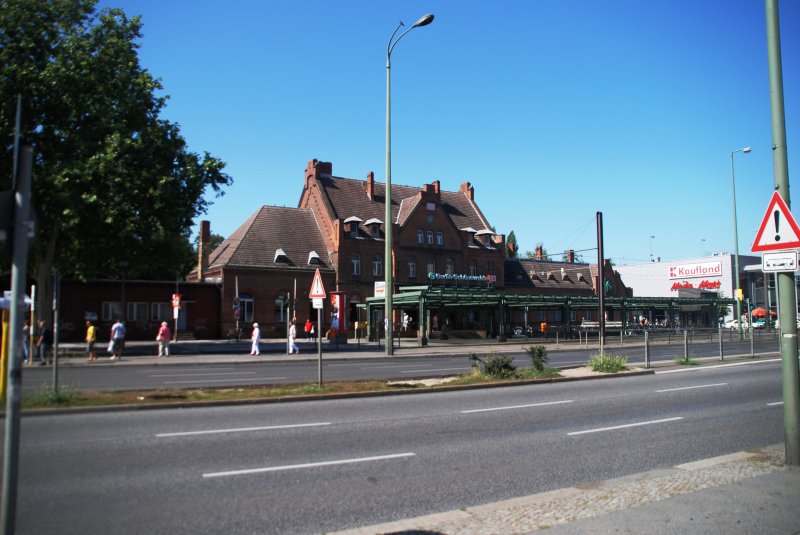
<point x="423" y="21"/>
<point x="736" y="244"/>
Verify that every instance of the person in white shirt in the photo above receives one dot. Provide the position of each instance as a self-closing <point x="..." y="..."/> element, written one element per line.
<point x="256" y="339"/>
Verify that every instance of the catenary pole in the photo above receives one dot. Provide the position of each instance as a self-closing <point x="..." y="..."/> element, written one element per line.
<point x="19" y="274"/>
<point x="786" y="284"/>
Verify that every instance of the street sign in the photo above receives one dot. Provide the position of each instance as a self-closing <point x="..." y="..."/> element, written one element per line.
<point x="317" y="289"/>
<point x="380" y="288"/>
<point x="779" y="261"/>
<point x="176" y="300"/>
<point x="778" y="230"/>
<point x="317" y="302"/>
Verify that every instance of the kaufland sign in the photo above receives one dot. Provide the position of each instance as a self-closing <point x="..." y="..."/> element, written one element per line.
<point x="688" y="271"/>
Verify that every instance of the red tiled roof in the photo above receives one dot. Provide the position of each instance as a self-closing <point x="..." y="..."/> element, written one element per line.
<point x="348" y="197"/>
<point x="294" y="230"/>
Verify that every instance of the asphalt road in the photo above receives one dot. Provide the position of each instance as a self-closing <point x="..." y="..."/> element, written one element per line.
<point x="104" y="376"/>
<point x="320" y="466"/>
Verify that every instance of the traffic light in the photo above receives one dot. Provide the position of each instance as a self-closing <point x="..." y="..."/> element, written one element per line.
<point x="739" y="294"/>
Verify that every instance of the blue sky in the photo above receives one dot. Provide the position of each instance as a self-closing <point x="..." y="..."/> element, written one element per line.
<point x="553" y="110"/>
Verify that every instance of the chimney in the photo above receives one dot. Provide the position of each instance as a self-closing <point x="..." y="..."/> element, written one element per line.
<point x="571" y="256"/>
<point x="371" y="185"/>
<point x="537" y="255"/>
<point x="202" y="250"/>
<point x="467" y="188"/>
<point x="436" y="187"/>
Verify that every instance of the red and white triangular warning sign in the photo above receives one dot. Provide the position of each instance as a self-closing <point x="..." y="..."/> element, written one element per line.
<point x="778" y="230"/>
<point x="317" y="289"/>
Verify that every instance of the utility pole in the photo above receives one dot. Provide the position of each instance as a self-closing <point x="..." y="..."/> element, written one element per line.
<point x="786" y="284"/>
<point x="19" y="274"/>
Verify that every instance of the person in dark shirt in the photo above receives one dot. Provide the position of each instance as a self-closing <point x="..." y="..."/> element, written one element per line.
<point x="44" y="343"/>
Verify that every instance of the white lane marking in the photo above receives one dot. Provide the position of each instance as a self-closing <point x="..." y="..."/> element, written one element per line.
<point x="774" y="404"/>
<point x="239" y="430"/>
<point x="601" y="429"/>
<point x="511" y="407"/>
<point x="435" y="370"/>
<point x="715" y="366"/>
<point x="223" y="380"/>
<point x="202" y="374"/>
<point x="308" y="465"/>
<point x="690" y="387"/>
<point x="392" y="366"/>
<point x="191" y="370"/>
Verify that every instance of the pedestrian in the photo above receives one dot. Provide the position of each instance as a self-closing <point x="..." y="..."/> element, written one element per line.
<point x="26" y="342"/>
<point x="292" y="335"/>
<point x="308" y="328"/>
<point x="256" y="339"/>
<point x="117" y="340"/>
<point x="406" y="319"/>
<point x="163" y="338"/>
<point x="91" y="338"/>
<point x="435" y="321"/>
<point x="43" y="343"/>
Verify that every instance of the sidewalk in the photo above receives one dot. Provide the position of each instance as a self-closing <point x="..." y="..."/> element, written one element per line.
<point x="741" y="493"/>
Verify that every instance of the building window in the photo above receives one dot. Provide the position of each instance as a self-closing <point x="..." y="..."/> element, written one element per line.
<point x="450" y="266"/>
<point x="487" y="240"/>
<point x="160" y="311"/>
<point x="377" y="265"/>
<point x="281" y="309"/>
<point x="376" y="231"/>
<point x="137" y="311"/>
<point x="112" y="310"/>
<point x="431" y="264"/>
<point x="430" y="237"/>
<point x="558" y="316"/>
<point x="473" y="267"/>
<point x="246" y="307"/>
<point x="353" y="229"/>
<point x="420" y="237"/>
<point x="430" y="206"/>
<point x="490" y="268"/>
<point x="412" y="267"/>
<point x="355" y="264"/>
<point x="439" y="237"/>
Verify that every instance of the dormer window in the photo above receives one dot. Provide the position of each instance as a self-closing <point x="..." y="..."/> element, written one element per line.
<point x="485" y="236"/>
<point x="280" y="256"/>
<point x="314" y="259"/>
<point x="351" y="226"/>
<point x="374" y="226"/>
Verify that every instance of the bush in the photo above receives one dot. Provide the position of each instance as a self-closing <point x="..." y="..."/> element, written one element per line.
<point x="495" y="366"/>
<point x="538" y="356"/>
<point x="608" y="363"/>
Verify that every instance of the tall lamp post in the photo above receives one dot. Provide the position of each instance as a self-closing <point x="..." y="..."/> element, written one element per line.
<point x="736" y="245"/>
<point x="423" y="21"/>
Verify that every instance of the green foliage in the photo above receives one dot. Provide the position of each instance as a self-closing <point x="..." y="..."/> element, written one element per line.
<point x="687" y="362"/>
<point x="608" y="363"/>
<point x="512" y="248"/>
<point x="116" y="185"/>
<point x="538" y="355"/>
<point x="495" y="366"/>
<point x="45" y="396"/>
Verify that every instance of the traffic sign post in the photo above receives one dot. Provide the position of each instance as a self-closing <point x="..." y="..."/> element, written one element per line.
<point x="778" y="230"/>
<point x="317" y="294"/>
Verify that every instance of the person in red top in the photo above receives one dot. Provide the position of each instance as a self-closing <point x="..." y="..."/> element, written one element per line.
<point x="163" y="337"/>
<point x="308" y="328"/>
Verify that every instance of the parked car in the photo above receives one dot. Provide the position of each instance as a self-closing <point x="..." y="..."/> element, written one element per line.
<point x="734" y="324"/>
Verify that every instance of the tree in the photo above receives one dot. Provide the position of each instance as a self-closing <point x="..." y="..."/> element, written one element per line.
<point x="533" y="254"/>
<point x="113" y="183"/>
<point x="511" y="245"/>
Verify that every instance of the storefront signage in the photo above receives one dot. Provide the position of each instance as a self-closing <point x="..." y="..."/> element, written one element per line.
<point x="703" y="285"/>
<point x="690" y="271"/>
<point x="461" y="277"/>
